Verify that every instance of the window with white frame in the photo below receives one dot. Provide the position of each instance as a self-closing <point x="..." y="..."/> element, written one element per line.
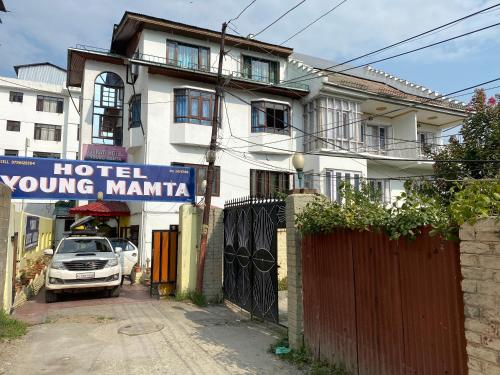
<point x="270" y="117"/>
<point x="334" y="179"/>
<point x="49" y="104"/>
<point x="377" y="138"/>
<point x="333" y="123"/>
<point x="46" y="132"/>
<point x="380" y="189"/>
<point x="426" y="141"/>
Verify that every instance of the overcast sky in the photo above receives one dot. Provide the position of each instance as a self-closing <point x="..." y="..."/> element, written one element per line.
<point x="42" y="30"/>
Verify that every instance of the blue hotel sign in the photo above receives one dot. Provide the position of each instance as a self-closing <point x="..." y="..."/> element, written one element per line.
<point x="83" y="180"/>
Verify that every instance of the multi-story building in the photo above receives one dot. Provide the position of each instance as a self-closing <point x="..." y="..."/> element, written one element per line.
<point x="363" y="123"/>
<point x="38" y="113"/>
<point x="153" y="94"/>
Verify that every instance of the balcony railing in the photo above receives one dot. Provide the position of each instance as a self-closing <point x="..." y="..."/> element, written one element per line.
<point x="392" y="148"/>
<point x="195" y="67"/>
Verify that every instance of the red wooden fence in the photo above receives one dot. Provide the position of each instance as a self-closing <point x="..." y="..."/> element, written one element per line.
<point x="384" y="307"/>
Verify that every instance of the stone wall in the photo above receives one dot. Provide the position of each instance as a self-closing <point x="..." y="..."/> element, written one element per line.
<point x="5" y="194"/>
<point x="295" y="203"/>
<point x="480" y="263"/>
<point x="212" y="278"/>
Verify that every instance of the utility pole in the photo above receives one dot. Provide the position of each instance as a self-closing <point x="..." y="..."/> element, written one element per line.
<point x="210" y="170"/>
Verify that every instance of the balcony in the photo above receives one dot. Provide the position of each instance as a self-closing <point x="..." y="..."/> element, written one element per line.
<point x="182" y="66"/>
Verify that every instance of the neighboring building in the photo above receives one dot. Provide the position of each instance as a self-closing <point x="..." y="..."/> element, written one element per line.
<point x="153" y="95"/>
<point x="368" y="113"/>
<point x="37" y="116"/>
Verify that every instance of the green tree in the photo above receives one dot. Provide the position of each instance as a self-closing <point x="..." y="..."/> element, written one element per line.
<point x="480" y="141"/>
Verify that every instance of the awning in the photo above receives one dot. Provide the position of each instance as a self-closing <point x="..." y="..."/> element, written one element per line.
<point x="102" y="209"/>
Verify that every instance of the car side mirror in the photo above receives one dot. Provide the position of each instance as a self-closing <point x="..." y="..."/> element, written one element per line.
<point x="118" y="250"/>
<point x="48" y="252"/>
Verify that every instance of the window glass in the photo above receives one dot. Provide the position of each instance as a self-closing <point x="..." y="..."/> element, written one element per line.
<point x="260" y="69"/>
<point x="193" y="106"/>
<point x="107" y="121"/>
<point x="47" y="132"/>
<point x="16" y="96"/>
<point x="11" y="152"/>
<point x="44" y="155"/>
<point x="201" y="174"/>
<point x="49" y="104"/>
<point x="84" y="246"/>
<point x="267" y="183"/>
<point x="13" y="126"/>
<point x="188" y="56"/>
<point x="270" y="117"/>
<point x="135" y="111"/>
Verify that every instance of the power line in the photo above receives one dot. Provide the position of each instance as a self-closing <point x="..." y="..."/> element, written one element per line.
<point x="279" y="18"/>
<point x="313" y="22"/>
<point x="301" y="78"/>
<point x="243" y="11"/>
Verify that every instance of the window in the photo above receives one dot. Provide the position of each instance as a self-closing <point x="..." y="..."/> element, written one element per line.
<point x="426" y="141"/>
<point x="11" y="152"/>
<point x="333" y="123"/>
<point x="268" y="183"/>
<point x="260" y="69"/>
<point x="381" y="190"/>
<point x="47" y="132"/>
<point x="270" y="117"/>
<point x="201" y="174"/>
<point x="134" y="114"/>
<point x="188" y="56"/>
<point x="49" y="104"/>
<point x="334" y="179"/>
<point x="107" y="120"/>
<point x="16" y="96"/>
<point x="13" y="126"/>
<point x="377" y="137"/>
<point x="45" y="155"/>
<point x="193" y="106"/>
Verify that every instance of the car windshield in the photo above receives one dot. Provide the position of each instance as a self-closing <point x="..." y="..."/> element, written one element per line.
<point x="84" y="245"/>
<point x="118" y="242"/>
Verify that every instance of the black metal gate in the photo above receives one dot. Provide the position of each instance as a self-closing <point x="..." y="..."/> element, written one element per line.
<point x="250" y="254"/>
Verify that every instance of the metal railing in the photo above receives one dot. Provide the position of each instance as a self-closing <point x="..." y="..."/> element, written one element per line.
<point x="195" y="67"/>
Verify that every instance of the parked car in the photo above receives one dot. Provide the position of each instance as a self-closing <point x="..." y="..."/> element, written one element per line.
<point x="83" y="263"/>
<point x="128" y="255"/>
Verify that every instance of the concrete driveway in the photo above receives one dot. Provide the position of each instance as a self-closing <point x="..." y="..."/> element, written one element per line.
<point x="134" y="334"/>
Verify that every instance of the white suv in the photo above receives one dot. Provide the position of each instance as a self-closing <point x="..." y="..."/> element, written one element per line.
<point x="83" y="264"/>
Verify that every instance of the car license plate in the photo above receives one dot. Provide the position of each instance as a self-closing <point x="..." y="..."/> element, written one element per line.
<point x="85" y="275"/>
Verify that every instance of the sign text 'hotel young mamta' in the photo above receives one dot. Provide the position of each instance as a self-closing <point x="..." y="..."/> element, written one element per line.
<point x="70" y="179"/>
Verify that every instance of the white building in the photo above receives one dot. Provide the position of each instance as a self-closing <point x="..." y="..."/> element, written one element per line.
<point x="153" y="91"/>
<point x="37" y="116"/>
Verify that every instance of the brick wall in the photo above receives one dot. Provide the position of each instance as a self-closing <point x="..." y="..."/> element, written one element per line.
<point x="480" y="263"/>
<point x="4" y="230"/>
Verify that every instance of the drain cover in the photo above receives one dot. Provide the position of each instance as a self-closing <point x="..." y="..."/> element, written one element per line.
<point x="136" y="329"/>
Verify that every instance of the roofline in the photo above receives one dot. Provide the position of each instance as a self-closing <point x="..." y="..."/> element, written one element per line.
<point x="16" y="67"/>
<point x="230" y="39"/>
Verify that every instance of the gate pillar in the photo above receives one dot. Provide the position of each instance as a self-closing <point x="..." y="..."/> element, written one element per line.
<point x="295" y="203"/>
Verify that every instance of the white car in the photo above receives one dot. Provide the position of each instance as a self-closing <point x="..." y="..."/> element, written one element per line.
<point x="128" y="255"/>
<point x="82" y="263"/>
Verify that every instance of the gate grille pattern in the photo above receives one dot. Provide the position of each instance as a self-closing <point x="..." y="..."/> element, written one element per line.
<point x="250" y="254"/>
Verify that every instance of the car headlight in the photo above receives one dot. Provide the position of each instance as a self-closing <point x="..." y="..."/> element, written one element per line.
<point x="112" y="263"/>
<point x="57" y="265"/>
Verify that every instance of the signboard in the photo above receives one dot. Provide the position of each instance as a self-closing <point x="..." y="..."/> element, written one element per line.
<point x="31" y="232"/>
<point x="104" y="153"/>
<point x="84" y="180"/>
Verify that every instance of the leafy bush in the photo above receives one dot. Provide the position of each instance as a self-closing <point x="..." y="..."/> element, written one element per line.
<point x="414" y="209"/>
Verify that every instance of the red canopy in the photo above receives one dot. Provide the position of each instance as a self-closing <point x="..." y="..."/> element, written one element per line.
<point x="102" y="209"/>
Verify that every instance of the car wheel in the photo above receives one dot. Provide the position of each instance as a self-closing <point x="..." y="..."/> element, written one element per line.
<point x="115" y="292"/>
<point x="50" y="297"/>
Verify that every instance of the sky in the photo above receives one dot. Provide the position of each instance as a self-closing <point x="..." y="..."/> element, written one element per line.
<point x="42" y="30"/>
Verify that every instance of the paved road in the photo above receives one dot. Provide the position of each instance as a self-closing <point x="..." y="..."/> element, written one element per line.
<point x="80" y="336"/>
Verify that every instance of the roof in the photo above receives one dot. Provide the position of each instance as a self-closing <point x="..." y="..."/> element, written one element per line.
<point x="374" y="80"/>
<point x="102" y="209"/>
<point x="132" y="23"/>
<point x="17" y="67"/>
<point x="2" y="7"/>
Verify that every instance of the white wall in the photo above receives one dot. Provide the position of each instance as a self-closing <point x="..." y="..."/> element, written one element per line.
<point x="27" y="114"/>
